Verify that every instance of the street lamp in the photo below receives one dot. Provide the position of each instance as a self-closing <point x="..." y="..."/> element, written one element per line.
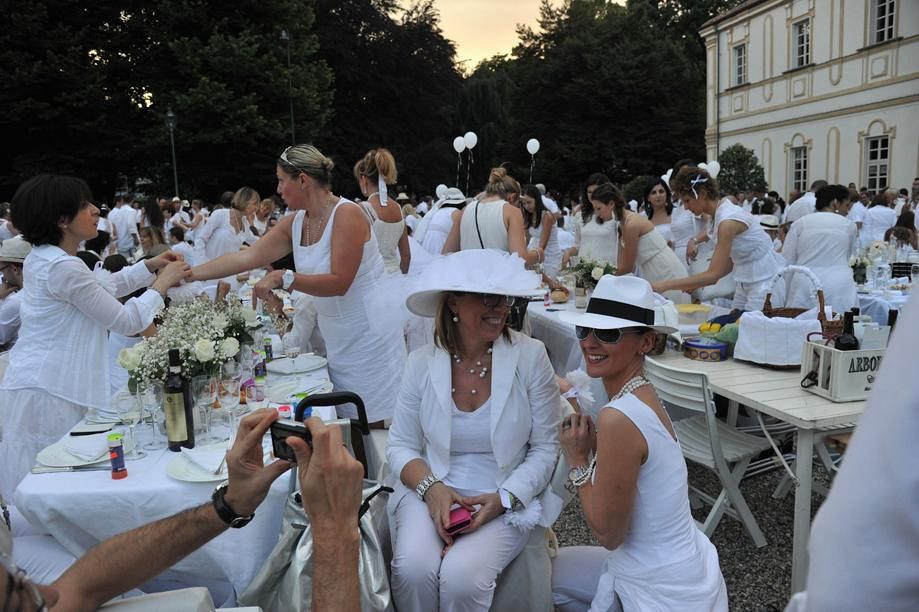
<point x="285" y="35"/>
<point x="171" y="124"/>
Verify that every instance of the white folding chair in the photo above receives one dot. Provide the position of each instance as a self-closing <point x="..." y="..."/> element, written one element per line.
<point x="710" y="442"/>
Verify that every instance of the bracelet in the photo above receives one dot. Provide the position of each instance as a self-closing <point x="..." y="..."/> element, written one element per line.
<point x="581" y="475"/>
<point x="425" y="484"/>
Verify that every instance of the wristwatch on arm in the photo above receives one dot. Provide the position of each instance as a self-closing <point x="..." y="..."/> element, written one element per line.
<point x="225" y="512"/>
<point x="510" y="501"/>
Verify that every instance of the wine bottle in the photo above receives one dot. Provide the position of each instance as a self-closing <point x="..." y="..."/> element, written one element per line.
<point x="892" y="318"/>
<point x="847" y="341"/>
<point x="179" y="406"/>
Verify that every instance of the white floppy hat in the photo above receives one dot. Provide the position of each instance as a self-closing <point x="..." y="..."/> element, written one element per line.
<point x="402" y="196"/>
<point x="453" y="196"/>
<point x="15" y="249"/>
<point x="474" y="271"/>
<point x="618" y="302"/>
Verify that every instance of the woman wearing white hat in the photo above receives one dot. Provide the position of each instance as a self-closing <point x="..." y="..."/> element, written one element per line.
<point x="441" y="220"/>
<point x="475" y="427"/>
<point x="630" y="475"/>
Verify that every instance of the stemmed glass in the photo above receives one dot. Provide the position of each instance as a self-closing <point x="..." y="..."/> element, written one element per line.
<point x="152" y="402"/>
<point x="204" y="390"/>
<point x="228" y="395"/>
<point x="129" y="409"/>
<point x="291" y="345"/>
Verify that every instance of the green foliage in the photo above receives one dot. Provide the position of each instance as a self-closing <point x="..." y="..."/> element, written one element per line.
<point x="635" y="189"/>
<point x="740" y="169"/>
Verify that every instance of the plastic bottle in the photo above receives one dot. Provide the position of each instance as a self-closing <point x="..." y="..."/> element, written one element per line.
<point x="116" y="456"/>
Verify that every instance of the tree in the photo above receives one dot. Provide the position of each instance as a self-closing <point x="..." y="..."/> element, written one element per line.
<point x="740" y="169"/>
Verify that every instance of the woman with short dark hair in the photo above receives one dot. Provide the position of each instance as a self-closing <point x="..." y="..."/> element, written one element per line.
<point x="54" y="372"/>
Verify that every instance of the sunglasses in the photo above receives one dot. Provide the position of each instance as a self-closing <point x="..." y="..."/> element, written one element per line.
<point x="491" y="300"/>
<point x="283" y="158"/>
<point x="605" y="336"/>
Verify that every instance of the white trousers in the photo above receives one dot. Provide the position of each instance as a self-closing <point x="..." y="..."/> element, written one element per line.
<point x="464" y="579"/>
<point x="576" y="571"/>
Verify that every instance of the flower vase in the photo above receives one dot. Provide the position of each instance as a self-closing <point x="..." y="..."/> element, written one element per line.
<point x="860" y="274"/>
<point x="580" y="297"/>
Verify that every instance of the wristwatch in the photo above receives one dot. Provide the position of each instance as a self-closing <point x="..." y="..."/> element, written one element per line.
<point x="287" y="280"/>
<point x="225" y="512"/>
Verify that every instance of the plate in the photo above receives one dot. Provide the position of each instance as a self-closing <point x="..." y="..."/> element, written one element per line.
<point x="303" y="363"/>
<point x="57" y="455"/>
<point x="286" y="392"/>
<point x="181" y="468"/>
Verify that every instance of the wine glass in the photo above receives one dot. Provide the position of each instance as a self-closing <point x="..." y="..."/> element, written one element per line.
<point x="129" y="407"/>
<point x="152" y="401"/>
<point x="228" y="395"/>
<point x="204" y="390"/>
<point x="291" y="346"/>
<point x="914" y="273"/>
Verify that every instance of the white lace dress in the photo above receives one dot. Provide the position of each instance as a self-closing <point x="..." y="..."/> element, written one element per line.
<point x="362" y="331"/>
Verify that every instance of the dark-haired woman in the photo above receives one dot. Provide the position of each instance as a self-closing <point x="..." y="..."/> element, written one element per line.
<point x="54" y="372"/>
<point x="741" y="244"/>
<point x="642" y="249"/>
<point x="543" y="229"/>
<point x="659" y="208"/>
<point x="337" y="262"/>
<point x="594" y="237"/>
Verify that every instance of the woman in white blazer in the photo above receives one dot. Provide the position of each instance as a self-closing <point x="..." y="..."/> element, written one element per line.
<point x="474" y="428"/>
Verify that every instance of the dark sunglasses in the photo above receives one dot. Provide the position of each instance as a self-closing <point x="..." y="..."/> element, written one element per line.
<point x="606" y="336"/>
<point x="491" y="300"/>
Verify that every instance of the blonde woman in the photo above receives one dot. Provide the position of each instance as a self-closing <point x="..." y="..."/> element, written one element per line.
<point x="338" y="262"/>
<point x="227" y="228"/>
<point x="374" y="172"/>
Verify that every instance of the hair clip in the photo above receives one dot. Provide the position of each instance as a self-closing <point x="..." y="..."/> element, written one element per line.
<point x="696" y="181"/>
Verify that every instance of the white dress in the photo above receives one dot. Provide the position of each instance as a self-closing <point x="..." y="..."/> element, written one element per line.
<point x="596" y="241"/>
<point x="657" y="262"/>
<point x="665" y="562"/>
<point x="482" y="226"/>
<point x="439" y="224"/>
<point x="823" y="242"/>
<point x="552" y="257"/>
<point x="682" y="228"/>
<point x="666" y="231"/>
<point x="362" y="332"/>
<point x="387" y="235"/>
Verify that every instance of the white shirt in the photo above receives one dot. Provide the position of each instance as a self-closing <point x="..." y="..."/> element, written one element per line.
<point x="124" y="221"/>
<point x="856" y="212"/>
<point x="66" y="312"/>
<point x="550" y="205"/>
<point x="565" y="240"/>
<point x="878" y="219"/>
<point x="185" y="250"/>
<point x="179" y="217"/>
<point x="220" y="238"/>
<point x="9" y="317"/>
<point x="804" y="205"/>
<point x="822" y="242"/>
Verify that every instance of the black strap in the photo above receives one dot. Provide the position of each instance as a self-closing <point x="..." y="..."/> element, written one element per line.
<point x="365" y="505"/>
<point x="478" y="231"/>
<point x="620" y="310"/>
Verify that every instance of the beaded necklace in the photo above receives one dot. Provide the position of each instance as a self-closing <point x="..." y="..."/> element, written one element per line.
<point x="482" y="369"/>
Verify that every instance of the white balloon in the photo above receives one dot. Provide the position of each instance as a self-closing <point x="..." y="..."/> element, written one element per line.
<point x="714" y="168"/>
<point x="440" y="191"/>
<point x="532" y="146"/>
<point x="459" y="145"/>
<point x="470" y="139"/>
<point x="666" y="177"/>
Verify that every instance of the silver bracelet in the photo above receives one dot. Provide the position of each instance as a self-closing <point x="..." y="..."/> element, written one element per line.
<point x="581" y="475"/>
<point x="425" y="484"/>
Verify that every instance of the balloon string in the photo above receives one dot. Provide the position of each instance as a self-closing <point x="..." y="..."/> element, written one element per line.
<point x="459" y="162"/>
<point x="468" y="168"/>
<point x="532" y="165"/>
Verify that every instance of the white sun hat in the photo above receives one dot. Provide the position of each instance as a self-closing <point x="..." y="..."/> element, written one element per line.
<point x="618" y="302"/>
<point x="453" y="196"/>
<point x="473" y="271"/>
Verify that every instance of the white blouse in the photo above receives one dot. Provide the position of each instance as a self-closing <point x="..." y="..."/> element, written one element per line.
<point x="66" y="313"/>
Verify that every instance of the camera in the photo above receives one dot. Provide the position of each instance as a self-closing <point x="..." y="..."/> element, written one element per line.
<point x="279" y="434"/>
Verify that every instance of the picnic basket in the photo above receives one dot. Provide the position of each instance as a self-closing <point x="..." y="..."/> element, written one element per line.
<point x="831" y="328"/>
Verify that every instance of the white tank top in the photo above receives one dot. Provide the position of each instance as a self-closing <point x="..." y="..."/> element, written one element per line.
<point x="490" y="226"/>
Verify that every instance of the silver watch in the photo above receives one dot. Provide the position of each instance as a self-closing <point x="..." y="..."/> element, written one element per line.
<point x="287" y="280"/>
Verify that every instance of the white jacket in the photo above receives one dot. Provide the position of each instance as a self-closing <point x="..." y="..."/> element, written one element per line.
<point x="524" y="419"/>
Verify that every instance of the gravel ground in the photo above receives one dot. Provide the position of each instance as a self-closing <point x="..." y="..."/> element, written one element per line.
<point x="758" y="579"/>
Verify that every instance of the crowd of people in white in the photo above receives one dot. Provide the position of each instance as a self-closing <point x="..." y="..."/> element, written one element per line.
<point x="472" y="407"/>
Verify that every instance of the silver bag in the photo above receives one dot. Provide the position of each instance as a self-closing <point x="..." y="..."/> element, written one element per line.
<point x="285" y="581"/>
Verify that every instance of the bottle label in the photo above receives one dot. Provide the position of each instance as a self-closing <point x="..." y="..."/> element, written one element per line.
<point x="176" y="430"/>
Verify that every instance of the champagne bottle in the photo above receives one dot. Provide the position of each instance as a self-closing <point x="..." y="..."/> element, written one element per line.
<point x="847" y="341"/>
<point x="179" y="406"/>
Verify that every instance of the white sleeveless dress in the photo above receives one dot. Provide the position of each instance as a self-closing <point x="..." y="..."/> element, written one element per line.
<point x="657" y="262"/>
<point x="665" y="562"/>
<point x="552" y="258"/>
<point x="387" y="235"/>
<point x="596" y="241"/>
<point x="490" y="217"/>
<point x="363" y="334"/>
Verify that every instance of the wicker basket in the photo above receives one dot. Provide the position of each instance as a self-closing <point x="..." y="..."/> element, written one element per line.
<point x="831" y="328"/>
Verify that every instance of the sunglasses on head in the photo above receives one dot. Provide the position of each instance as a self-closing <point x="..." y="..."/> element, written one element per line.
<point x="492" y="300"/>
<point x="283" y="158"/>
<point x="606" y="336"/>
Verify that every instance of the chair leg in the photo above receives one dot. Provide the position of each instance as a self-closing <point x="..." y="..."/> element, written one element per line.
<point x="740" y="504"/>
<point x="784" y="486"/>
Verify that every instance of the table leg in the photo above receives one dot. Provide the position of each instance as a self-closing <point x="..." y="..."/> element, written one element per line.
<point x="732" y="413"/>
<point x="802" y="520"/>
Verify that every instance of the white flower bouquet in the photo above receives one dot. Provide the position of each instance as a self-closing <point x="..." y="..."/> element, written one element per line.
<point x="589" y="272"/>
<point x="207" y="335"/>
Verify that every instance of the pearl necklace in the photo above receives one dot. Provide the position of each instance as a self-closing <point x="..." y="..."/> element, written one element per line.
<point x="631" y="385"/>
<point x="482" y="373"/>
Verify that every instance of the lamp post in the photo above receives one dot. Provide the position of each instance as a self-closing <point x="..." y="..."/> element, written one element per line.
<point x="171" y="124"/>
<point x="285" y="35"/>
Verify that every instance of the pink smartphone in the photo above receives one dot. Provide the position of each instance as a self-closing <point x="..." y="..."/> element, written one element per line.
<point x="460" y="518"/>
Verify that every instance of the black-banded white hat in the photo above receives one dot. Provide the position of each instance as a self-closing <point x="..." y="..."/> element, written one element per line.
<point x="618" y="302"/>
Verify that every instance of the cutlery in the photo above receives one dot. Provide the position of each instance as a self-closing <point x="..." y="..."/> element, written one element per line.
<point x="44" y="469"/>
<point x="89" y="432"/>
<point x="223" y="462"/>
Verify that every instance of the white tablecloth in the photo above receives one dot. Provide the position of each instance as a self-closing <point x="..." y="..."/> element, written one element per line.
<point x="80" y="509"/>
<point x="878" y="304"/>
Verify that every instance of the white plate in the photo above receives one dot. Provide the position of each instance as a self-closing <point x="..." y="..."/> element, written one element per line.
<point x="303" y="363"/>
<point x="57" y="455"/>
<point x="284" y="393"/>
<point x="181" y="468"/>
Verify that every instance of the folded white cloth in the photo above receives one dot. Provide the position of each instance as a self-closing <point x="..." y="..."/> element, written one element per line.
<point x="87" y="448"/>
<point x="206" y="457"/>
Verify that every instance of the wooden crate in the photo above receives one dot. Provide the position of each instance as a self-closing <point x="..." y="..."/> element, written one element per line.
<point x="841" y="376"/>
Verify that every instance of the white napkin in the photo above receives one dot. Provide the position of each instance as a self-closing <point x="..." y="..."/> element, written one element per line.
<point x="206" y="457"/>
<point x="87" y="448"/>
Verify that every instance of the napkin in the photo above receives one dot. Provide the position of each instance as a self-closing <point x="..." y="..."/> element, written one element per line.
<point x="206" y="457"/>
<point x="87" y="448"/>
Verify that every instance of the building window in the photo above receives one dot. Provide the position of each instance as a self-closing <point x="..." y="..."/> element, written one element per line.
<point x="883" y="15"/>
<point x="799" y="169"/>
<point x="801" y="44"/>
<point x="740" y="64"/>
<point x="877" y="157"/>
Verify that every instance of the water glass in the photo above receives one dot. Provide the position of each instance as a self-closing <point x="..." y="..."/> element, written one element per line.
<point x="255" y="396"/>
<point x="228" y="396"/>
<point x="152" y="400"/>
<point x="914" y="273"/>
<point x="204" y="390"/>
<point x="129" y="409"/>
